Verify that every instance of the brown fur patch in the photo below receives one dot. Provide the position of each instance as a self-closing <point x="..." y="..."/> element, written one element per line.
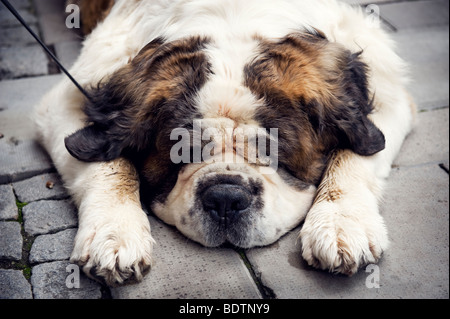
<point x="122" y="175"/>
<point x="348" y="265"/>
<point x="93" y="12"/>
<point x="173" y="70"/>
<point x="315" y="93"/>
<point x="290" y="75"/>
<point x="301" y="65"/>
<point x="329" y="189"/>
<point x="412" y="105"/>
<point x="135" y="110"/>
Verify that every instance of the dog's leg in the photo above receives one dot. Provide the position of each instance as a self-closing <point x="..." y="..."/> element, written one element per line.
<point x="344" y="230"/>
<point x="113" y="242"/>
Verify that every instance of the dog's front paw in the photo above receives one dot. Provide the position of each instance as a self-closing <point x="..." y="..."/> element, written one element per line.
<point x="342" y="237"/>
<point x="114" y="250"/>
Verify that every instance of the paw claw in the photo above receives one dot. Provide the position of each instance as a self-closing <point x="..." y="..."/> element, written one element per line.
<point x="340" y="243"/>
<point x="113" y="255"/>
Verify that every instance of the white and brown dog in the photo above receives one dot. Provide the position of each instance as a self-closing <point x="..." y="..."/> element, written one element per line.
<point x="319" y="74"/>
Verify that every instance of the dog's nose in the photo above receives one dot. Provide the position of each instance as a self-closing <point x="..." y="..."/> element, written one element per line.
<point x="225" y="202"/>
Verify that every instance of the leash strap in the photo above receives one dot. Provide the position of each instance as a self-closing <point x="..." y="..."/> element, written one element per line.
<point x="22" y="21"/>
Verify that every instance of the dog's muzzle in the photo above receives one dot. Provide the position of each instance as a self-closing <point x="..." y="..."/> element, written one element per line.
<point x="226" y="202"/>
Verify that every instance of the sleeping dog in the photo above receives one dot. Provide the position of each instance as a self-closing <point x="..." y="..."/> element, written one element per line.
<point x="233" y="121"/>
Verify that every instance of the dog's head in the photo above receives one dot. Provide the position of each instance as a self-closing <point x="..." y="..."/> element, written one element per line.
<point x="231" y="141"/>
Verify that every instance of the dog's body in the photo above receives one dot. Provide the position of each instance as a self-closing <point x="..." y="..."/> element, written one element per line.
<point x="314" y="70"/>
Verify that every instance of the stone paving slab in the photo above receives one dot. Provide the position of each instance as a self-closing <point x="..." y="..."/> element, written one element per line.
<point x="13" y="35"/>
<point x="427" y="53"/>
<point x="22" y="159"/>
<point x="18" y="97"/>
<point x="445" y="165"/>
<point x="430" y="136"/>
<point x="8" y="20"/>
<point x="49" y="281"/>
<point x="422" y="39"/>
<point x="45" y="217"/>
<point x="53" y="247"/>
<point x="21" y="156"/>
<point x="41" y="187"/>
<point x="10" y="241"/>
<point x="18" y="4"/>
<point x="415" y="266"/>
<point x="186" y="270"/>
<point x="8" y="207"/>
<point x="416" y="213"/>
<point x="13" y="285"/>
<point x="417" y="14"/>
<point x="22" y="62"/>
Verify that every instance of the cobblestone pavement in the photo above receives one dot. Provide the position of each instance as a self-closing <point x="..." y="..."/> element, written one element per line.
<point x="38" y="221"/>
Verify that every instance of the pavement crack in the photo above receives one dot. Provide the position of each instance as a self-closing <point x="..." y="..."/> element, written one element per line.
<point x="266" y="292"/>
<point x="27" y="241"/>
<point x="441" y="165"/>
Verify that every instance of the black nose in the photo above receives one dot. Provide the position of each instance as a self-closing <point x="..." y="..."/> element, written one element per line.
<point x="225" y="202"/>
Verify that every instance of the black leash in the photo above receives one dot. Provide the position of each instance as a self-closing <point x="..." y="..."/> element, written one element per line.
<point x="22" y="21"/>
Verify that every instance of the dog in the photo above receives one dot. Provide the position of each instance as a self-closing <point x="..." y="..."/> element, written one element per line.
<point x="174" y="87"/>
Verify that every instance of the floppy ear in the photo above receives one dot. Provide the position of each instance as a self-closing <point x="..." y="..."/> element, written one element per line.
<point x="108" y="127"/>
<point x="111" y="112"/>
<point x="91" y="144"/>
<point x="362" y="136"/>
<point x="357" y="131"/>
<point x="125" y="113"/>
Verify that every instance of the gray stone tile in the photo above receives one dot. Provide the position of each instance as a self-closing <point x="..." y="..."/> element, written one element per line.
<point x="52" y="247"/>
<point x="20" y="154"/>
<point x="11" y="241"/>
<point x="8" y="207"/>
<point x="416" y="213"/>
<point x="41" y="187"/>
<point x="13" y="285"/>
<point x="17" y="62"/>
<point x="428" y="142"/>
<point x="45" y="217"/>
<point x="22" y="159"/>
<point x="415" y="209"/>
<point x="427" y="53"/>
<point x="416" y="14"/>
<point x="16" y="105"/>
<point x="17" y="35"/>
<point x="18" y="4"/>
<point x="184" y="269"/>
<point x="445" y="166"/>
<point x="8" y="20"/>
<point x="49" y="281"/>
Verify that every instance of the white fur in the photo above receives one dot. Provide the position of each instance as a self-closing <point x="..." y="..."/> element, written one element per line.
<point x="114" y="234"/>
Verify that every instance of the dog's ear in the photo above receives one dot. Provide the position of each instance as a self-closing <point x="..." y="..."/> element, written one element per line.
<point x="92" y="144"/>
<point x="108" y="128"/>
<point x="112" y="111"/>
<point x="125" y="113"/>
<point x="356" y="131"/>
